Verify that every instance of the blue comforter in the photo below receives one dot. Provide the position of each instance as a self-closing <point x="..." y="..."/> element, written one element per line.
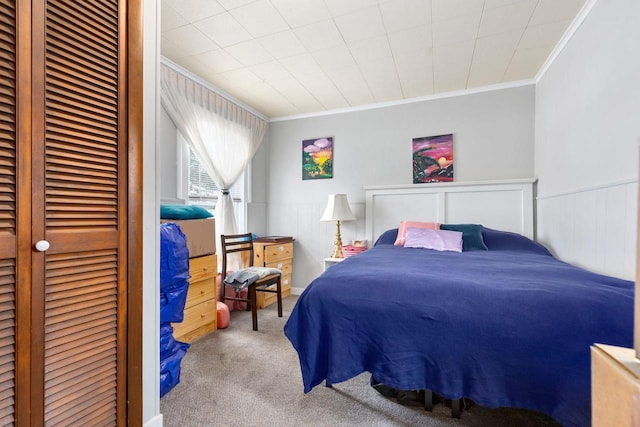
<point x="507" y="327"/>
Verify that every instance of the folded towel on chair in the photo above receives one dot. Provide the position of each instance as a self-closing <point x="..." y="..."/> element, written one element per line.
<point x="242" y="278"/>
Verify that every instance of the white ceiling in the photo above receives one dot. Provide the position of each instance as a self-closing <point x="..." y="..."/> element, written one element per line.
<point x="289" y="57"/>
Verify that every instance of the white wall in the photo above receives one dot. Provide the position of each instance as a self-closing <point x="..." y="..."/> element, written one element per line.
<point x="493" y="139"/>
<point x="586" y="143"/>
<point x="167" y="147"/>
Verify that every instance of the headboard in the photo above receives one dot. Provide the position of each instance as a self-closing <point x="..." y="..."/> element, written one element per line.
<point x="504" y="205"/>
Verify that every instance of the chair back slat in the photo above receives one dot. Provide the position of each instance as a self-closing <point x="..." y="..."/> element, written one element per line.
<point x="234" y="243"/>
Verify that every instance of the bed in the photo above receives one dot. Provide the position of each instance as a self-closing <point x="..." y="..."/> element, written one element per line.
<point x="510" y="326"/>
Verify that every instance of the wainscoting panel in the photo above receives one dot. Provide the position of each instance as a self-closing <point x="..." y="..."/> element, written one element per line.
<point x="314" y="240"/>
<point x="594" y="228"/>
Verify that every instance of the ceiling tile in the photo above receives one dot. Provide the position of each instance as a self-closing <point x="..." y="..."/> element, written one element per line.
<point x="444" y="10"/>
<point x="451" y="66"/>
<point x="194" y="10"/>
<point x="189" y="39"/>
<point x="497" y="48"/>
<point x="526" y="62"/>
<point x="333" y="58"/>
<point x="282" y="44"/>
<point x="403" y="14"/>
<point x="414" y="42"/>
<point x="242" y="77"/>
<point x="218" y="61"/>
<point x="297" y="95"/>
<point x="259" y="18"/>
<point x="554" y="10"/>
<point x="230" y="4"/>
<point x="416" y="76"/>
<point x="463" y="28"/>
<point x="223" y="29"/>
<point x="501" y="19"/>
<point x="360" y="25"/>
<point x="382" y="79"/>
<point x="323" y="89"/>
<point x="370" y="50"/>
<point x="353" y="87"/>
<point x="485" y="74"/>
<point x="271" y="71"/>
<point x="341" y="7"/>
<point x="296" y="16"/>
<point x="300" y="65"/>
<point x="171" y="49"/>
<point x="319" y="35"/>
<point x="491" y="58"/>
<point x="249" y="53"/>
<point x="543" y="34"/>
<point x="267" y="100"/>
<point x="491" y="4"/>
<point x="533" y="57"/>
<point x="170" y="19"/>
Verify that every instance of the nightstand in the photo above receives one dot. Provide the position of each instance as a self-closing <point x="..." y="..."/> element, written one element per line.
<point x="276" y="252"/>
<point x="328" y="262"/>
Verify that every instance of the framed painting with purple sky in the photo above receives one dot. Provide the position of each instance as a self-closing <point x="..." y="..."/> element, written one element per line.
<point x="317" y="158"/>
<point x="433" y="159"/>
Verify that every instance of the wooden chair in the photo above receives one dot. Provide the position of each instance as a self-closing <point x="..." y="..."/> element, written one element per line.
<point x="243" y="245"/>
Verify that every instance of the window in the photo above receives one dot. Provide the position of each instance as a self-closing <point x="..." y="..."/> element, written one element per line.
<point x="199" y="189"/>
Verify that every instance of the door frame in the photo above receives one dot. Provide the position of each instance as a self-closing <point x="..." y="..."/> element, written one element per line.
<point x="134" y="56"/>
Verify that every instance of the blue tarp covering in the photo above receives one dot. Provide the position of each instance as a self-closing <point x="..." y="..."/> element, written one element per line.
<point x="174" y="284"/>
<point x="174" y="272"/>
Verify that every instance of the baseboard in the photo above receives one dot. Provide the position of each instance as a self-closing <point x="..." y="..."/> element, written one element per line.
<point x="154" y="422"/>
<point x="296" y="291"/>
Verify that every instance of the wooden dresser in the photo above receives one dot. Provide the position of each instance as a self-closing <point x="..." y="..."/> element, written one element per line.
<point x="200" y="312"/>
<point x="275" y="254"/>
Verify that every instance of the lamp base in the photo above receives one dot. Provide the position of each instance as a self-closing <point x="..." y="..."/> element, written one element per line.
<point x="337" y="252"/>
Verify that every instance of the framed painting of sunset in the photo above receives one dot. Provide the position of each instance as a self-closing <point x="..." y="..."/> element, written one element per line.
<point x="433" y="159"/>
<point x="317" y="158"/>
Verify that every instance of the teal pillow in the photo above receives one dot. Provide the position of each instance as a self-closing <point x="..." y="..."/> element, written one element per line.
<point x="471" y="236"/>
<point x="183" y="212"/>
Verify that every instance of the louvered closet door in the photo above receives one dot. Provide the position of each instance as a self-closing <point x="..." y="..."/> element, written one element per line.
<point x="8" y="213"/>
<point x="80" y="166"/>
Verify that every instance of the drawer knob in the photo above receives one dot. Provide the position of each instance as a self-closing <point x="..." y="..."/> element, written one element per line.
<point x="203" y="315"/>
<point x="202" y="292"/>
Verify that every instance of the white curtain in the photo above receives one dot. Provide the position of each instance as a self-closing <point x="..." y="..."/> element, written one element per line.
<point x="223" y="135"/>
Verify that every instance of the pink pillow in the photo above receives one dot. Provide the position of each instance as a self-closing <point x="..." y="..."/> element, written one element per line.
<point x="440" y="240"/>
<point x="402" y="229"/>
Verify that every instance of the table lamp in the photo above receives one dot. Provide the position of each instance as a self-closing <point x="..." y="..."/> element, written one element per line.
<point x="338" y="210"/>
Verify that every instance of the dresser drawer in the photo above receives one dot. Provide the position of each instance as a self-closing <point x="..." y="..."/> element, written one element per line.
<point x="264" y="299"/>
<point x="284" y="265"/>
<point x="203" y="267"/>
<point x="199" y="319"/>
<point x="274" y="253"/>
<point x="201" y="291"/>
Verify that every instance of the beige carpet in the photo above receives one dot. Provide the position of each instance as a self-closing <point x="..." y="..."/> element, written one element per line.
<point x="237" y="377"/>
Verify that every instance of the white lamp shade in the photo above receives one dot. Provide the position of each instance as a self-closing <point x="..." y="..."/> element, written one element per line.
<point x="338" y="209"/>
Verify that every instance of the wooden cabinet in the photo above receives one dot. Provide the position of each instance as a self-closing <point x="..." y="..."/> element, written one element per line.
<point x="200" y="312"/>
<point x="276" y="255"/>
<point x="615" y="388"/>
